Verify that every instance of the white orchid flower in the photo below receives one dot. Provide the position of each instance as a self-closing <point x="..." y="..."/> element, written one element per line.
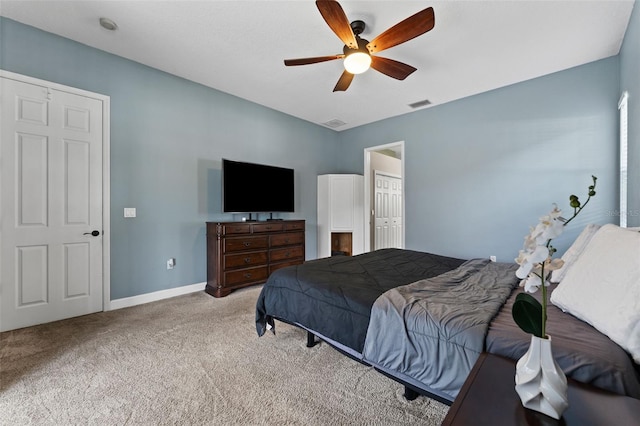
<point x="524" y="270"/>
<point x="528" y="260"/>
<point x="553" y="264"/>
<point x="530" y="242"/>
<point x="531" y="284"/>
<point x="550" y="226"/>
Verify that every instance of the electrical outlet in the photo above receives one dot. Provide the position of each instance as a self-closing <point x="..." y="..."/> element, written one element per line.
<point x="493" y="258"/>
<point x="171" y="263"/>
<point x="129" y="212"/>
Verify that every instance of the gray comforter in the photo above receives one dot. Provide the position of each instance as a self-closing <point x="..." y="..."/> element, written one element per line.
<point x="432" y="331"/>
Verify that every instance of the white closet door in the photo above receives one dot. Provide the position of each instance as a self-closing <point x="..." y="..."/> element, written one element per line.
<point x="395" y="212"/>
<point x="387" y="211"/>
<point x="51" y="265"/>
<point x="342" y="209"/>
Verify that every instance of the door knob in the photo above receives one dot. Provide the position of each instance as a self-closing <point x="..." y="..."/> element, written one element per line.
<point x="94" y="233"/>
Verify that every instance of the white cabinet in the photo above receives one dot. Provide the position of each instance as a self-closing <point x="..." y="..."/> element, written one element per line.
<point x="340" y="214"/>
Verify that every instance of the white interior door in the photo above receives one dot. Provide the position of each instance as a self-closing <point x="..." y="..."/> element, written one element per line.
<point x="387" y="211"/>
<point x="395" y="212"/>
<point x="381" y="212"/>
<point x="51" y="181"/>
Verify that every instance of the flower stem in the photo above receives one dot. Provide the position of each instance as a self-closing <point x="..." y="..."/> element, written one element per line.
<point x="544" y="305"/>
<point x="579" y="209"/>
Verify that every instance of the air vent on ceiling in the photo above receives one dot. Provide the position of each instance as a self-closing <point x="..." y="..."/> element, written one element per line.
<point x="334" y="123"/>
<point x="420" y="103"/>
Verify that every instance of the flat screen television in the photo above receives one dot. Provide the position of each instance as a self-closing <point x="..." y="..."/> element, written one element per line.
<point x="256" y="188"/>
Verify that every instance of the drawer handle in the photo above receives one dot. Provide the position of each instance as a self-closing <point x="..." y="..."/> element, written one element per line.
<point x="246" y="243"/>
<point x="288" y="254"/>
<point x="286" y="240"/>
<point x="269" y="227"/>
<point x="247" y="260"/>
<point x="247" y="275"/>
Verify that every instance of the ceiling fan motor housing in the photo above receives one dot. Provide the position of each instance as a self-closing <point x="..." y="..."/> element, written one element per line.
<point x="362" y="47"/>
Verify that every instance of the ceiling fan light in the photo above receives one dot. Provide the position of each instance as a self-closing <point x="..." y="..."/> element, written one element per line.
<point x="357" y="62"/>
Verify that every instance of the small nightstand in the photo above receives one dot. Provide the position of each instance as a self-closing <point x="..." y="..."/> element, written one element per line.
<point x="488" y="397"/>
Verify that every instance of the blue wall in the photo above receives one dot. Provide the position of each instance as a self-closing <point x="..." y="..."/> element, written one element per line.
<point x="479" y="171"/>
<point x="630" y="81"/>
<point x="168" y="136"/>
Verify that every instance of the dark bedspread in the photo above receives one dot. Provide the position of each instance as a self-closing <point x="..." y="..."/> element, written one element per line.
<point x="581" y="351"/>
<point x="342" y="289"/>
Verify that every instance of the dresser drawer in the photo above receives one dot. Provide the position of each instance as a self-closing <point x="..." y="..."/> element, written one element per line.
<point x="246" y="275"/>
<point x="275" y="266"/>
<point x="245" y="243"/>
<point x="294" y="226"/>
<point x="243" y="260"/>
<point x="236" y="228"/>
<point x="287" y="239"/>
<point x="268" y="227"/>
<point x="294" y="252"/>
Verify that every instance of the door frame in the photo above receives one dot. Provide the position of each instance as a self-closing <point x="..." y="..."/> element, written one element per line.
<point x="367" y="189"/>
<point x="106" y="167"/>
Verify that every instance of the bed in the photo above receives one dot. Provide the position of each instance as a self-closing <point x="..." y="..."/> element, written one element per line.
<point x="333" y="296"/>
<point x="423" y="319"/>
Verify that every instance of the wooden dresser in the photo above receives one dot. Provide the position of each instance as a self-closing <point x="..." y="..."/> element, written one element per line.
<point x="240" y="254"/>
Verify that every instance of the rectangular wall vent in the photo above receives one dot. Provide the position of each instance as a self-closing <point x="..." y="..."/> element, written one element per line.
<point x="334" y="123"/>
<point x="420" y="103"/>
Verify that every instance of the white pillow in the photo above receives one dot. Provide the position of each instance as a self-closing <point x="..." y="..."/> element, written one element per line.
<point x="573" y="252"/>
<point x="602" y="287"/>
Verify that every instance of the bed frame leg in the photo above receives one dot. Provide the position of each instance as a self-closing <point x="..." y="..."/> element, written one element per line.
<point x="311" y="339"/>
<point x="410" y="394"/>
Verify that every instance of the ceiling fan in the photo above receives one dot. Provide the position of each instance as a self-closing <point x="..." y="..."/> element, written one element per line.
<point x="358" y="52"/>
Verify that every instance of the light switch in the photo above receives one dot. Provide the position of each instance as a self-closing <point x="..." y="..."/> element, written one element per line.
<point x="129" y="212"/>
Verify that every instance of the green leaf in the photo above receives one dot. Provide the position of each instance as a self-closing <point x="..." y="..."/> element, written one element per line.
<point x="527" y="313"/>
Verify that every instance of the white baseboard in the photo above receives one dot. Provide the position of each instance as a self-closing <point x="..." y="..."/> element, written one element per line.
<point x="155" y="296"/>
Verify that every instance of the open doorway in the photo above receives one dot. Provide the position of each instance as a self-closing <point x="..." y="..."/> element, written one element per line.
<point x="384" y="196"/>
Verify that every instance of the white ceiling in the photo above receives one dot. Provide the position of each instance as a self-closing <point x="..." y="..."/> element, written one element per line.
<point x="238" y="47"/>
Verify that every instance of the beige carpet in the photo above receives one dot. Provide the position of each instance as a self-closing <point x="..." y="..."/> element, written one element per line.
<point x="192" y="359"/>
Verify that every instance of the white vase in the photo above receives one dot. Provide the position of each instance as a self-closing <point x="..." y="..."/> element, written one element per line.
<point x="540" y="382"/>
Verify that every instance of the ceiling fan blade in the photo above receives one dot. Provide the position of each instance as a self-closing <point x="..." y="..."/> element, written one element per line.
<point x="343" y="82"/>
<point x="307" y="61"/>
<point x="395" y="69"/>
<point x="411" y="27"/>
<point x="335" y="17"/>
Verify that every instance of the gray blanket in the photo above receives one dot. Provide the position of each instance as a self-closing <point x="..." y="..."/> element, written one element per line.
<point x="432" y="331"/>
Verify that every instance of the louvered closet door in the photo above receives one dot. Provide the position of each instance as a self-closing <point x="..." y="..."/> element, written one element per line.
<point x="51" y="183"/>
